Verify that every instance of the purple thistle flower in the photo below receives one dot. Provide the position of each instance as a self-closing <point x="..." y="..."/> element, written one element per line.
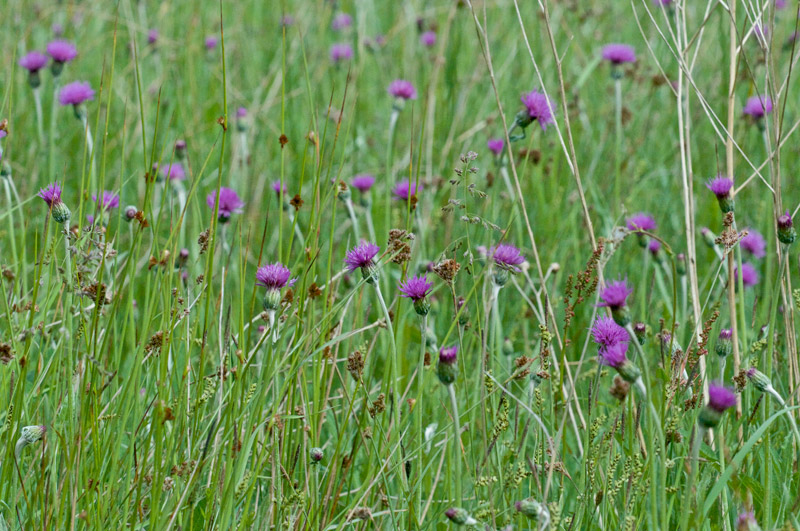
<point x="754" y="244"/>
<point x="607" y="333"/>
<point x="211" y="42"/>
<point x="416" y="288"/>
<point x="506" y="256"/>
<point x="720" y="186"/>
<point x="276" y="187"/>
<point x="654" y="247"/>
<point x="361" y="256"/>
<point x="785" y="220"/>
<point x="641" y="221"/>
<point x="539" y="107"/>
<point x="241" y="112"/>
<point x="749" y="275"/>
<point x="786" y="232"/>
<point x="363" y="182"/>
<point x="229" y="203"/>
<point x="33" y="61"/>
<point x="57" y="29"/>
<point x="405" y="189"/>
<point x="496" y="145"/>
<point x="720" y="397"/>
<point x="62" y="51"/>
<point x="274" y="276"/>
<point x="615" y="294"/>
<point x="447" y="369"/>
<point x="726" y="334"/>
<point x="402" y="90"/>
<point x="618" y="54"/>
<point x="448" y="355"/>
<point x="614" y="356"/>
<point x="758" y="106"/>
<point x="51" y="194"/>
<point x="663" y="2"/>
<point x="75" y="93"/>
<point x="747" y="520"/>
<point x="341" y="52"/>
<point x="341" y="21"/>
<point x="108" y="200"/>
<point x="152" y="36"/>
<point x="174" y="172"/>
<point x="428" y="38"/>
<point x="287" y="20"/>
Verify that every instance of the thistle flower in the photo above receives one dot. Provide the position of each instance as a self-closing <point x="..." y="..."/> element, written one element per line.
<point x="341" y="52"/>
<point x="757" y="107"/>
<point x="362" y="256"/>
<point x="720" y="398"/>
<point x="405" y="189"/>
<point x="496" y="146"/>
<point x="708" y="237"/>
<point x="538" y="107"/>
<point x="639" y="330"/>
<point x="655" y="247"/>
<point x="615" y="295"/>
<point x="506" y="256"/>
<point x="180" y="149"/>
<point x="724" y="345"/>
<point x="276" y="187"/>
<point x="130" y="213"/>
<point x="428" y="38"/>
<point x="680" y="264"/>
<point x="615" y="357"/>
<point x="402" y="90"/>
<point x="459" y="516"/>
<point x="174" y="172"/>
<point x="51" y="195"/>
<point x="75" y="93"/>
<point x="721" y="187"/>
<point x="211" y="42"/>
<point x="287" y="20"/>
<point x="641" y="221"/>
<point x="62" y="52"/>
<point x="152" y="36"/>
<point x="786" y="232"/>
<point x="447" y="368"/>
<point x="759" y="380"/>
<point x="619" y="54"/>
<point x="33" y="62"/>
<point x="29" y="435"/>
<point x="341" y="21"/>
<point x="749" y="275"/>
<point x="363" y="182"/>
<point x="107" y="201"/>
<point x="754" y="244"/>
<point x="274" y="277"/>
<point x="316" y="455"/>
<point x="607" y="333"/>
<point x="229" y="203"/>
<point x="747" y="520"/>
<point x="417" y="289"/>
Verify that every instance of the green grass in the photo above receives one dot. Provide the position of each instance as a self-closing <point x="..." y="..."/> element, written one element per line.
<point x="165" y="400"/>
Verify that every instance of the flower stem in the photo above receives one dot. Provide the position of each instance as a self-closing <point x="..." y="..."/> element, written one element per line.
<point x="687" y="495"/>
<point x="37" y="100"/>
<point x="418" y="410"/>
<point x="451" y="390"/>
<point x="618" y="128"/>
<point x="352" y="213"/>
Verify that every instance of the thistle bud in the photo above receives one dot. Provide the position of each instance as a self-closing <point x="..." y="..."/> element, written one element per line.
<point x="680" y="264"/>
<point x="422" y="306"/>
<point x="724" y="344"/>
<point x="708" y="237"/>
<point x="447" y="369"/>
<point x="5" y="169"/>
<point x="629" y="372"/>
<point x="461" y="306"/>
<point x="500" y="277"/>
<point x="532" y="509"/>
<point x="316" y="455"/>
<point x="459" y="516"/>
<point x="759" y="380"/>
<point x="508" y="347"/>
<point x="786" y="232"/>
<point x="29" y="435"/>
<point x="61" y="213"/>
<point x="747" y="522"/>
<point x="523" y="119"/>
<point x="180" y="149"/>
<point x="130" y="213"/>
<point x="640" y="331"/>
<point x="272" y="300"/>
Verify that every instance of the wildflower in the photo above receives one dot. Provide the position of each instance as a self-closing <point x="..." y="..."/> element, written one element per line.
<point x="274" y="277"/>
<point x="619" y="54"/>
<point x="747" y="520"/>
<point x="405" y="190"/>
<point x="655" y="247"/>
<point x="534" y="510"/>
<point x="341" y="52"/>
<point x="639" y="330"/>
<point x="757" y="107"/>
<point x="708" y="237"/>
<point x="721" y="187"/>
<point x="786" y="232"/>
<point x="152" y="36"/>
<point x="33" y="62"/>
<point x="180" y="149"/>
<point x="417" y="289"/>
<point x="229" y="203"/>
<point x="459" y="516"/>
<point x="401" y="90"/>
<point x="759" y="380"/>
<point x="29" y="435"/>
<point x="287" y="20"/>
<point x="107" y="201"/>
<point x="641" y="221"/>
<point x="447" y="368"/>
<point x="496" y="146"/>
<point x="276" y="187"/>
<point x="607" y="333"/>
<point x="341" y="21"/>
<point x="720" y="398"/>
<point x="428" y="38"/>
<point x="538" y="107"/>
<point x="680" y="264"/>
<point x="211" y="42"/>
<point x="615" y="357"/>
<point x="615" y="295"/>
<point x="506" y="258"/>
<point x="363" y="182"/>
<point x="62" y="52"/>
<point x="75" y="94"/>
<point x="51" y="195"/>
<point x="174" y="172"/>
<point x="316" y="455"/>
<point x="362" y="257"/>
<point x="754" y="244"/>
<point x="724" y="345"/>
<point x="130" y="213"/>
<point x="749" y="275"/>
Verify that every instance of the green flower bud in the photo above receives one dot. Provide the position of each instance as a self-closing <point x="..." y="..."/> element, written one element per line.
<point x="759" y="380"/>
<point x="422" y="306"/>
<point x="60" y="211"/>
<point x="272" y="300"/>
<point x="459" y="516"/>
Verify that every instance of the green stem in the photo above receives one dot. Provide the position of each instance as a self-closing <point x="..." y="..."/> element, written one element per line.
<point x="687" y="495"/>
<point x="451" y="390"/>
<point x="618" y="129"/>
<point x="418" y="410"/>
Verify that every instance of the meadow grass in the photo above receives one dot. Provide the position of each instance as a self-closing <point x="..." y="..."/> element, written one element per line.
<point x="157" y="376"/>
